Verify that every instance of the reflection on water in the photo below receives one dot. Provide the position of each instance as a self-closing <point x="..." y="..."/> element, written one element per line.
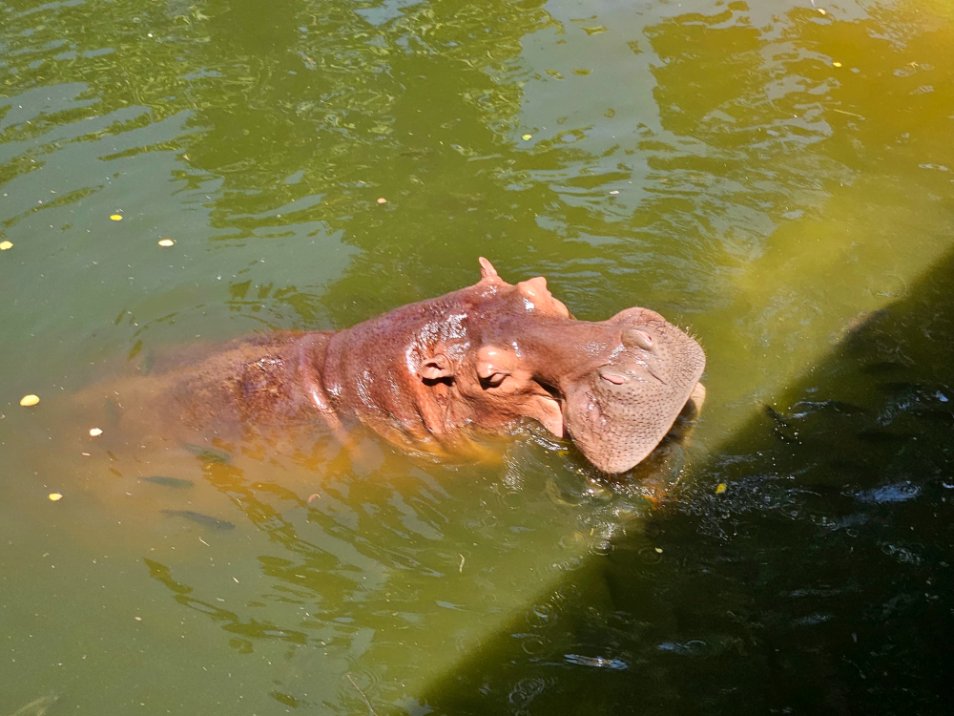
<point x="772" y="174"/>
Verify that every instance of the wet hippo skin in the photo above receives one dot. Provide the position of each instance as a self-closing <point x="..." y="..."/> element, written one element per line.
<point x="433" y="376"/>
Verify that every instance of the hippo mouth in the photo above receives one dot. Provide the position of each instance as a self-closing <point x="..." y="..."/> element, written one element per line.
<point x="617" y="413"/>
<point x="549" y="409"/>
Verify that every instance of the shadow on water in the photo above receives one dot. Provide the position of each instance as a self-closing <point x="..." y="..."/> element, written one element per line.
<point x="805" y="569"/>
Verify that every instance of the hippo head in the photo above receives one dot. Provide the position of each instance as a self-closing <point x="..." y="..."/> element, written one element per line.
<point x="614" y="387"/>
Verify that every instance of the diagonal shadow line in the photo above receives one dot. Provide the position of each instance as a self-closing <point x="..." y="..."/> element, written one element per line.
<point x="905" y="346"/>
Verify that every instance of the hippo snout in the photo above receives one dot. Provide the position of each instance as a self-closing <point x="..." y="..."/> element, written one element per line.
<point x="619" y="413"/>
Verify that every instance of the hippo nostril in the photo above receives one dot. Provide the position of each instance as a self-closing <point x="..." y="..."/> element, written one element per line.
<point x="635" y="338"/>
<point x="611" y="376"/>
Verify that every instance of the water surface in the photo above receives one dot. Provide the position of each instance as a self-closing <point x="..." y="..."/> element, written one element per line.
<point x="777" y="176"/>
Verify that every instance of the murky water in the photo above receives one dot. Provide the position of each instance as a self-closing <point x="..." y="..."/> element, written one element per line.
<point x="779" y="176"/>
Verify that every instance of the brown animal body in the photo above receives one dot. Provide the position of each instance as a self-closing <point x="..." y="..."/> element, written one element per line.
<point x="431" y="376"/>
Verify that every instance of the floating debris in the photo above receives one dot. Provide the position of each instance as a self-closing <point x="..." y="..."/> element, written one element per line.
<point x="6" y="245"/>
<point x="721" y="488"/>
<point x="166" y="481"/>
<point x="95" y="432"/>
<point x="116" y="217"/>
<point x="594" y="29"/>
<point x="208" y="454"/>
<point x="201" y="519"/>
<point x="28" y="401"/>
<point x="382" y="201"/>
<point x="598" y="662"/>
<point x="527" y="137"/>
<point x="55" y="496"/>
<point x="807" y="407"/>
<point x="782" y="428"/>
<point x="887" y="494"/>
<point x="37" y="707"/>
<point x="166" y="242"/>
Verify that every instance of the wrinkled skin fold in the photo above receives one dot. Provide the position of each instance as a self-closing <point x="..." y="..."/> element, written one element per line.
<point x="430" y="376"/>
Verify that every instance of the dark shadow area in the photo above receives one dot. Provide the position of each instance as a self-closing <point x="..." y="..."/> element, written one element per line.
<point x="805" y="569"/>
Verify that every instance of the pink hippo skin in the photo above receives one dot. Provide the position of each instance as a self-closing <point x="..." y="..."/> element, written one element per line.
<point x="433" y="376"/>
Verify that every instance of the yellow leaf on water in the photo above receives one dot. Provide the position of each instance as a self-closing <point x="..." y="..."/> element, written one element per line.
<point x="527" y="137"/>
<point x="720" y="488"/>
<point x="166" y="243"/>
<point x="95" y="432"/>
<point x="55" y="496"/>
<point x="6" y="245"/>
<point x="116" y="217"/>
<point x="28" y="401"/>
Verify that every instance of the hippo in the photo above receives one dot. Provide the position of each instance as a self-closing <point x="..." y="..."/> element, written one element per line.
<point x="434" y="376"/>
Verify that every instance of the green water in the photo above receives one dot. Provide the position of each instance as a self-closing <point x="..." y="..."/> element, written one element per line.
<point x="777" y="178"/>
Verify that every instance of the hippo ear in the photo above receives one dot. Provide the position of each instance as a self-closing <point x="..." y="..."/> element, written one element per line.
<point x="487" y="270"/>
<point x="435" y="368"/>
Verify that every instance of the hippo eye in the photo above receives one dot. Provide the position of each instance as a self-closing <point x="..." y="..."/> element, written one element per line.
<point x="493" y="380"/>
